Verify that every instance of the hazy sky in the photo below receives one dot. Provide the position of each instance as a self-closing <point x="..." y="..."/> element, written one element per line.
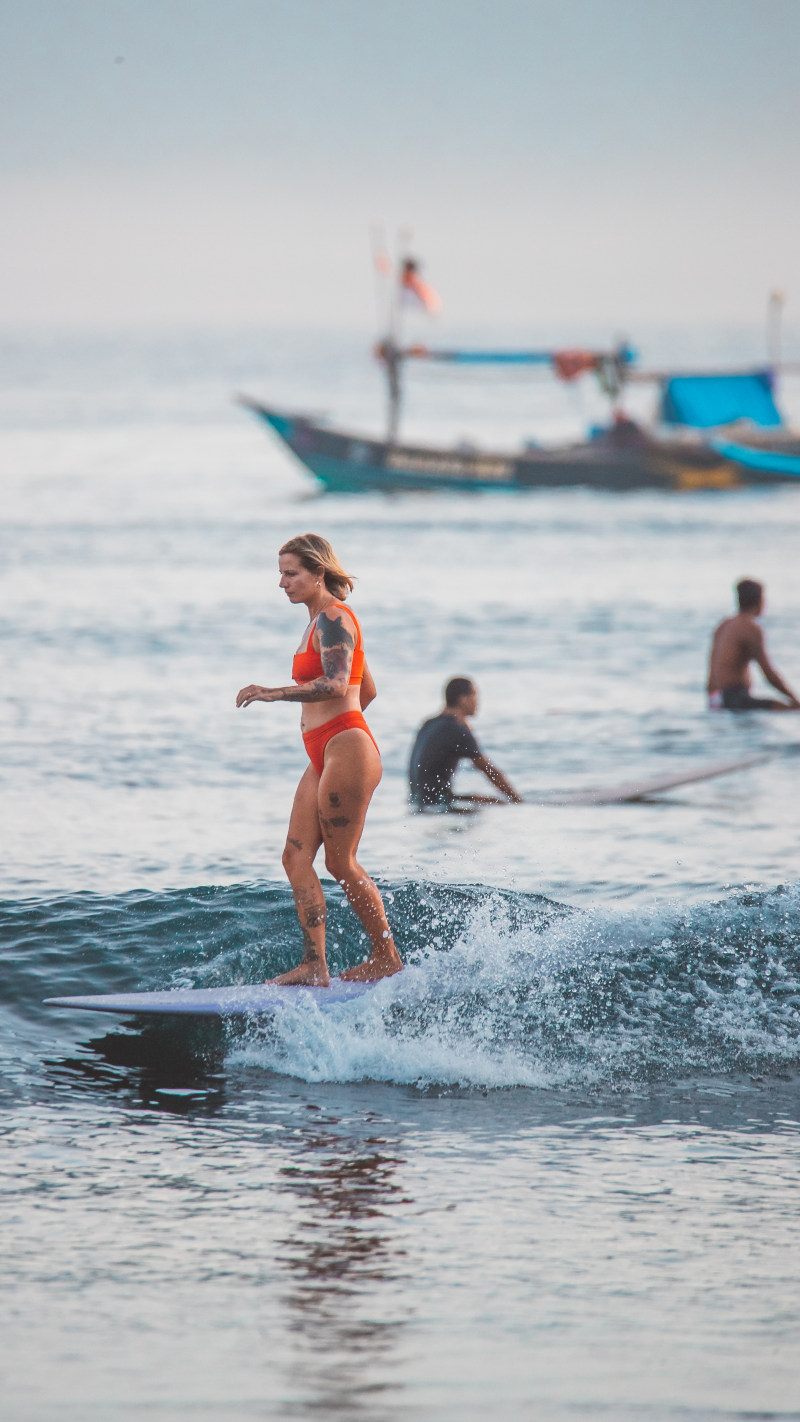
<point x="197" y="161"/>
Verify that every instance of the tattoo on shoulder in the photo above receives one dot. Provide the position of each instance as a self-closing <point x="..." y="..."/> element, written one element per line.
<point x="332" y="632"/>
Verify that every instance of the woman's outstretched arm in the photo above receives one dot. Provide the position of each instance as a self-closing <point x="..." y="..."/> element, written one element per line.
<point x="336" y="644"/>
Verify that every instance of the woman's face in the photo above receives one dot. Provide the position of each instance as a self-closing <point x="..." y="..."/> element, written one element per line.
<point x="297" y="581"/>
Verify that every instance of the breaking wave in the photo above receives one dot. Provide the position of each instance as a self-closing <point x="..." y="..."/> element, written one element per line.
<point x="501" y="989"/>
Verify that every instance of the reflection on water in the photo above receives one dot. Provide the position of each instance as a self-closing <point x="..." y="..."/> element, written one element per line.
<point x="176" y="1068"/>
<point x="340" y="1260"/>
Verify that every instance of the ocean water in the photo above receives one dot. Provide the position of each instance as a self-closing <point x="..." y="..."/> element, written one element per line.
<point x="549" y="1172"/>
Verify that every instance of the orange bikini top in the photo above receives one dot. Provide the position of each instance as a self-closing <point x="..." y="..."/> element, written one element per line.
<point x="307" y="665"/>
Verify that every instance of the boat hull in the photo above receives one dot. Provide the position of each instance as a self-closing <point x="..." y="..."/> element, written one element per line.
<point x="621" y="460"/>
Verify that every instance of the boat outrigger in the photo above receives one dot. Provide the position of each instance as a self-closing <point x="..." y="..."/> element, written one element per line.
<point x="714" y="430"/>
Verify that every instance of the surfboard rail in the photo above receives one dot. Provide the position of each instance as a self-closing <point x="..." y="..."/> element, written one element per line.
<point x="246" y="1000"/>
<point x="631" y="791"/>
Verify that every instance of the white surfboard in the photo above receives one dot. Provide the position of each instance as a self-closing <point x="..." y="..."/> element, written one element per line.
<point x="250" y="1000"/>
<point x="643" y="789"/>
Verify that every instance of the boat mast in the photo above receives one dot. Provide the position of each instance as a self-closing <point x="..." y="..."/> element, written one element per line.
<point x="391" y="350"/>
<point x="388" y="311"/>
<point x="775" y="305"/>
<point x="392" y="360"/>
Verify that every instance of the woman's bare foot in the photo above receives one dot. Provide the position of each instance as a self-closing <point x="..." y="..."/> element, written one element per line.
<point x="304" y="975"/>
<point x="382" y="963"/>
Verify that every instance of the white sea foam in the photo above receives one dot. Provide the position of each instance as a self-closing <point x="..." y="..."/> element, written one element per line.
<point x="586" y="998"/>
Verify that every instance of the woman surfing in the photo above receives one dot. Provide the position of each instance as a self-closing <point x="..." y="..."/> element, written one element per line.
<point x="333" y="686"/>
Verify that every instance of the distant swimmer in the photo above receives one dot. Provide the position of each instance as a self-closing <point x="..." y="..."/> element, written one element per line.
<point x="441" y="743"/>
<point x="333" y="685"/>
<point x="737" y="642"/>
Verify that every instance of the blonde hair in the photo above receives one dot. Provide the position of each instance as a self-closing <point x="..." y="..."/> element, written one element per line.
<point x="316" y="554"/>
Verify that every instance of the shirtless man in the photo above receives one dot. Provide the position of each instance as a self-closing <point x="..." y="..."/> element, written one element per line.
<point x="441" y="743"/>
<point x="737" y="642"/>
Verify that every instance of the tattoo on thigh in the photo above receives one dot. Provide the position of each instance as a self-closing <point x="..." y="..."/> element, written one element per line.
<point x="334" y="799"/>
<point x="298" y="843"/>
<point x="338" y="821"/>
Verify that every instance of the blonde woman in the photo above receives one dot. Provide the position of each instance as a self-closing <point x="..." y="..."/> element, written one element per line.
<point x="333" y="685"/>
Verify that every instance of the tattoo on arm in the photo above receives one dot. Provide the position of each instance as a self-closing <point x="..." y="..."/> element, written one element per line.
<point x="336" y="646"/>
<point x="333" y="633"/>
<point x="336" y="663"/>
<point x="325" y="686"/>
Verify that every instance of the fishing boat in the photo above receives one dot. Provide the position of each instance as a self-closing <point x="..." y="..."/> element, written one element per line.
<point x="714" y="430"/>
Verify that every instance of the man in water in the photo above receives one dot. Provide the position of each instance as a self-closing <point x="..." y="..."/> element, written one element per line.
<point x="441" y="743"/>
<point x="738" y="641"/>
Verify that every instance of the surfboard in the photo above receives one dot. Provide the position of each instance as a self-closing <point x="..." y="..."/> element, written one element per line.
<point x="642" y="789"/>
<point x="250" y="1000"/>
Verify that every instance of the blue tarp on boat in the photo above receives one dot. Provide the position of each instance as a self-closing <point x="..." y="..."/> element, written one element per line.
<point x="766" y="461"/>
<point x="704" y="401"/>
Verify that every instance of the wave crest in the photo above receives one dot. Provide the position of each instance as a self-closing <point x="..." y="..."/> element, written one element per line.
<point x="500" y="989"/>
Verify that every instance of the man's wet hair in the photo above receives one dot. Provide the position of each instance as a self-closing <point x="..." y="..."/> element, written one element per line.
<point x="455" y="689"/>
<point x="750" y="594"/>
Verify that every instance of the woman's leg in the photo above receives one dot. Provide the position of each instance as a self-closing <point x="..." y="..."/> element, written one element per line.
<point x="303" y="839"/>
<point x="351" y="774"/>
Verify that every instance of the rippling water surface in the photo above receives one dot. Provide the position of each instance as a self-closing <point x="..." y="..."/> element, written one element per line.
<point x="551" y="1171"/>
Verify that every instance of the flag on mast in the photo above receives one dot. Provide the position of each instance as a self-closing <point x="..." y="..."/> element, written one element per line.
<point x="416" y="290"/>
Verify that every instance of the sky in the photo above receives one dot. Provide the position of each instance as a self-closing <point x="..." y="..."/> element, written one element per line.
<point x="204" y="162"/>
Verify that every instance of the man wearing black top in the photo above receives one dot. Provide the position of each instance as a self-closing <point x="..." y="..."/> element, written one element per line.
<point x="441" y="743"/>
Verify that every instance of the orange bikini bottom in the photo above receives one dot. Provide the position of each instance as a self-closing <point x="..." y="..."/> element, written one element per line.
<point x="315" y="741"/>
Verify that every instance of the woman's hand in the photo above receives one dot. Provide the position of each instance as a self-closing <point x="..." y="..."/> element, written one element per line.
<point x="258" y="693"/>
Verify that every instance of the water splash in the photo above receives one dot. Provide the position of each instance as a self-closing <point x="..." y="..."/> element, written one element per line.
<point x="500" y="988"/>
<point x="530" y="995"/>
